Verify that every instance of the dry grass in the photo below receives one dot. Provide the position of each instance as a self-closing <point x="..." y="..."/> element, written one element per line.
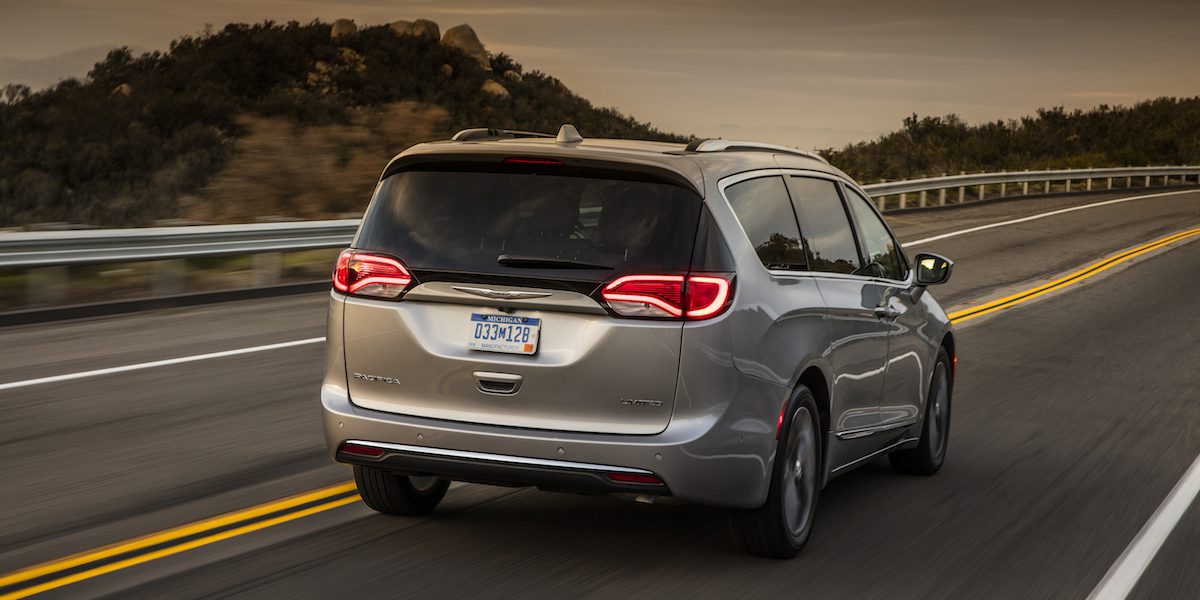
<point x="281" y="169"/>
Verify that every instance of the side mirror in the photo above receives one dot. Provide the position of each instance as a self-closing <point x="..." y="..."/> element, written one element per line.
<point x="933" y="269"/>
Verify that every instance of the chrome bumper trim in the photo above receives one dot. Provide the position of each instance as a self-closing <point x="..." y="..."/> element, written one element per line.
<point x="499" y="458"/>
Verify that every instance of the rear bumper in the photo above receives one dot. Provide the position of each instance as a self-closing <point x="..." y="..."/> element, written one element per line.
<point x="499" y="469"/>
<point x="717" y="458"/>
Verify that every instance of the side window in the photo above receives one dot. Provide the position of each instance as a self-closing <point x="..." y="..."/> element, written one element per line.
<point x="883" y="253"/>
<point x="825" y="225"/>
<point x="762" y="207"/>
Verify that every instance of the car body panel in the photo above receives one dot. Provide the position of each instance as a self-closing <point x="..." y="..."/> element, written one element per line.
<point x="722" y="382"/>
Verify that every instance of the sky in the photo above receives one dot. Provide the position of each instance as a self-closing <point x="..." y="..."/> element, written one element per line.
<point x="800" y="73"/>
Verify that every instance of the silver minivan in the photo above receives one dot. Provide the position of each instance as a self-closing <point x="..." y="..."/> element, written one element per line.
<point x="724" y="323"/>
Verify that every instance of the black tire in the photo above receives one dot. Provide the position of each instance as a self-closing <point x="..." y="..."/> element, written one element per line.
<point x="930" y="453"/>
<point x="393" y="494"/>
<point x="782" y="525"/>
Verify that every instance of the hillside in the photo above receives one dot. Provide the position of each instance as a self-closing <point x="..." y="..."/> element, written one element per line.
<point x="1164" y="131"/>
<point x="265" y="119"/>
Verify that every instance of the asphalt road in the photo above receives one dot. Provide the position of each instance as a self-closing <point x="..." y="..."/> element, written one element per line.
<point x="1074" y="417"/>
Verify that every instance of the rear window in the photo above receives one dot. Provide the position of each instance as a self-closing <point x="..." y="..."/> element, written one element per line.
<point x="464" y="222"/>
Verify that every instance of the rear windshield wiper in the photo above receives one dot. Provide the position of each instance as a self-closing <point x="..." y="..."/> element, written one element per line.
<point x="545" y="262"/>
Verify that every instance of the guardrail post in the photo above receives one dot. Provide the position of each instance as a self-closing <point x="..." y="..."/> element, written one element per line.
<point x="903" y="200"/>
<point x="1024" y="188"/>
<point x="1166" y="180"/>
<point x="1128" y="182"/>
<point x="1089" y="184"/>
<point x="1003" y="189"/>
<point x="1047" y="190"/>
<point x="1108" y="185"/>
<point x="1067" y="187"/>
<point x="1147" y="181"/>
<point x="942" y="197"/>
<point x="169" y="277"/>
<point x="47" y="286"/>
<point x="980" y="193"/>
<point x="268" y="268"/>
<point x="882" y="202"/>
<point x="924" y="195"/>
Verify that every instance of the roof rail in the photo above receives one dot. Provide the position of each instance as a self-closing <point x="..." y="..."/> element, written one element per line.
<point x="734" y="145"/>
<point x="481" y="134"/>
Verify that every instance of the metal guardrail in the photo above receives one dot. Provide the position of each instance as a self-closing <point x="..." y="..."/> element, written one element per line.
<point x="977" y="184"/>
<point x="99" y="246"/>
<point x="30" y="250"/>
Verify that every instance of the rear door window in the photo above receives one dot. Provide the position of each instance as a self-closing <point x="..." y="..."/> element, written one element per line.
<point x="825" y="225"/>
<point x="545" y="225"/>
<point x="762" y="207"/>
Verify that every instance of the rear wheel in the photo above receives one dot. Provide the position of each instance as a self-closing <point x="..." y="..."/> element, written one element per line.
<point x="781" y="526"/>
<point x="394" y="494"/>
<point x="930" y="453"/>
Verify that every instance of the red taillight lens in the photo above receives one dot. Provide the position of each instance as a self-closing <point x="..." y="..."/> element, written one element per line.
<point x="707" y="296"/>
<point x="704" y="296"/>
<point x="370" y="275"/>
<point x="646" y="295"/>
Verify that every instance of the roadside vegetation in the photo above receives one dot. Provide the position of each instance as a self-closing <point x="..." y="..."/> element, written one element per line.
<point x="296" y="120"/>
<point x="1164" y="131"/>
<point x="144" y="136"/>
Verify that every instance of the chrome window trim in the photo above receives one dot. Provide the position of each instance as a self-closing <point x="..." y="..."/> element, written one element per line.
<point x="730" y="180"/>
<point x="499" y="458"/>
<point x="850" y="434"/>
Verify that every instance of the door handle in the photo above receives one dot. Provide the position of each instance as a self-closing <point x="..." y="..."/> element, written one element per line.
<point x="886" y="312"/>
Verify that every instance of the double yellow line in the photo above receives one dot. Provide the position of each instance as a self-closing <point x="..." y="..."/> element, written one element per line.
<point x="72" y="569"/>
<point x="1083" y="274"/>
<point x="65" y="571"/>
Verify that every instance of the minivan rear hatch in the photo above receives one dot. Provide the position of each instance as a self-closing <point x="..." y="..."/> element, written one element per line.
<point x="503" y="323"/>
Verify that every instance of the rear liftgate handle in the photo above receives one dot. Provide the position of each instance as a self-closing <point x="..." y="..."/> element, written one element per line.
<point x="503" y="384"/>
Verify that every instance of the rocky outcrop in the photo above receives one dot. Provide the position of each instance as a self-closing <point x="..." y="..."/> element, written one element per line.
<point x="494" y="88"/>
<point x="342" y="28"/>
<point x="422" y="28"/>
<point x="464" y="38"/>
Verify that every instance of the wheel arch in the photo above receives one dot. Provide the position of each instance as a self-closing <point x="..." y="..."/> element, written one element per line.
<point x="951" y="349"/>
<point x="815" y="380"/>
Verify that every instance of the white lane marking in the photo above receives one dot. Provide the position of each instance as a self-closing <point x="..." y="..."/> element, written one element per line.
<point x="1125" y="573"/>
<point x="158" y="363"/>
<point x="1040" y="216"/>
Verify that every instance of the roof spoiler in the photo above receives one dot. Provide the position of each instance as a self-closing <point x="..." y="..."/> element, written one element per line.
<point x="736" y="146"/>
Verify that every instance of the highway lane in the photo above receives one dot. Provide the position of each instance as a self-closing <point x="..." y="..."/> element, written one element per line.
<point x="234" y="432"/>
<point x="1053" y="470"/>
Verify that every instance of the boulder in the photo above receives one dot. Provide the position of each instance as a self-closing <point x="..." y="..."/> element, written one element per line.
<point x="123" y="90"/>
<point x="422" y="28"/>
<point x="342" y="28"/>
<point x="512" y="75"/>
<point x="401" y="27"/>
<point x="447" y="71"/>
<point x="494" y="88"/>
<point x="464" y="38"/>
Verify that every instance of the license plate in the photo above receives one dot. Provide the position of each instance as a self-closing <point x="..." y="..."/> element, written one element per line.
<point x="503" y="333"/>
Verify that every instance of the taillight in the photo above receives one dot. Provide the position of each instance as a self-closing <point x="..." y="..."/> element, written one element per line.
<point x="695" y="297"/>
<point x="371" y="275"/>
<point x="707" y="296"/>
